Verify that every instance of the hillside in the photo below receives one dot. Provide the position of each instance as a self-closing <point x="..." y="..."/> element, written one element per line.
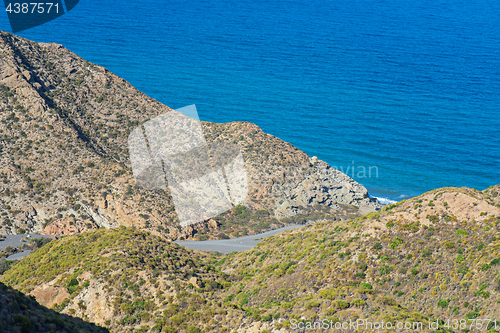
<point x="124" y="279"/>
<point x="19" y="313"/>
<point x="434" y="257"/>
<point x="64" y="163"/>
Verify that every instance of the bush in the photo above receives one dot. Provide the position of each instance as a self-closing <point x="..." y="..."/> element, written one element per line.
<point x="472" y="315"/>
<point x="312" y="304"/>
<point x="72" y="283"/>
<point x="358" y="302"/>
<point x="443" y="303"/>
<point x="426" y="252"/>
<point x="396" y="242"/>
<point x="448" y="244"/>
<point x="362" y="266"/>
<point x="388" y="301"/>
<point x="384" y="269"/>
<point x="492" y="324"/>
<point x="4" y="266"/>
<point x="460" y="259"/>
<point x="339" y="304"/>
<point x="433" y="218"/>
<point x="485" y="267"/>
<point x="366" y="285"/>
<point x="328" y="294"/>
<point x="266" y="318"/>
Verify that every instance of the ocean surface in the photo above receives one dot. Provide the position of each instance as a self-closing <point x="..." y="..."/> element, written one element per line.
<point x="403" y="96"/>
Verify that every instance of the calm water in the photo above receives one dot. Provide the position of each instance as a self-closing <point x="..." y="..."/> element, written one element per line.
<point x="411" y="88"/>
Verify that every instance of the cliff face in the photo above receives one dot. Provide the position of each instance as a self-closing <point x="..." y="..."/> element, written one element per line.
<point x="64" y="163"/>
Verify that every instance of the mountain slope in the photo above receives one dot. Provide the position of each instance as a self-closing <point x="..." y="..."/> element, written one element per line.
<point x="123" y="279"/>
<point x="433" y="257"/>
<point x="19" y="313"/>
<point x="64" y="167"/>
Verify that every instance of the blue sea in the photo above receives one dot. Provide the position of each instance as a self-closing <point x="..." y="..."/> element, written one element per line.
<point x="403" y="96"/>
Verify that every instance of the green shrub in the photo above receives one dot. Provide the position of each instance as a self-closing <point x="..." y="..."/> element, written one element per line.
<point x="443" y="303"/>
<point x="388" y="300"/>
<point x="461" y="232"/>
<point x="472" y="315"/>
<point x="328" y="294"/>
<point x="312" y="304"/>
<point x="492" y="324"/>
<point x="193" y="329"/>
<point x="396" y="242"/>
<point x="362" y="266"/>
<point x="485" y="267"/>
<point x="4" y="265"/>
<point x="483" y="293"/>
<point x="340" y="304"/>
<point x="384" y="269"/>
<point x="358" y="302"/>
<point x="433" y="218"/>
<point x="448" y="244"/>
<point x="365" y="285"/>
<point x="266" y="318"/>
<point x="73" y="282"/>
